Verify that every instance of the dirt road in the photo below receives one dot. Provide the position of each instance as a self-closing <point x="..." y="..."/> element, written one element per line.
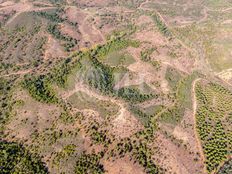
<point x="194" y="116"/>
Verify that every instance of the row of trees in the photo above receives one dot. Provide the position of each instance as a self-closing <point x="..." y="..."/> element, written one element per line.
<point x="161" y="26"/>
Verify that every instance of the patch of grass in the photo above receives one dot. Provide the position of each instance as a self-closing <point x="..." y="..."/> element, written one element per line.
<point x="118" y="59"/>
<point x="153" y="110"/>
<point x="173" y="77"/>
<point x="182" y="87"/>
<point x="112" y="46"/>
<point x="173" y="115"/>
<point x="184" y="90"/>
<point x="82" y="100"/>
<point x="66" y="152"/>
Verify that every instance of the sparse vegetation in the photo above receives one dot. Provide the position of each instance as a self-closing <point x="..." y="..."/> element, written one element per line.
<point x="74" y="94"/>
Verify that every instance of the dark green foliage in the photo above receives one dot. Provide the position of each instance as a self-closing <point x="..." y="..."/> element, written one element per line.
<point x="89" y="164"/>
<point x="144" y="156"/>
<point x="40" y="89"/>
<point x="133" y="95"/>
<point x="6" y="102"/>
<point x="52" y="16"/>
<point x="67" y="118"/>
<point x="14" y="158"/>
<point x="101" y="77"/>
<point x="161" y="26"/>
<point x="215" y="147"/>
<point x="69" y="41"/>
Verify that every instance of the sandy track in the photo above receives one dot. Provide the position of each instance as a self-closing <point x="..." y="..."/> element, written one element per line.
<point x="80" y="87"/>
<point x="18" y="73"/>
<point x="194" y="116"/>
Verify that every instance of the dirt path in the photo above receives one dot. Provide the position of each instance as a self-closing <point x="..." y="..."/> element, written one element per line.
<point x="194" y="116"/>
<point x="82" y="30"/>
<point x="221" y="10"/>
<point x="205" y="16"/>
<point x="80" y="87"/>
<point x="18" y="73"/>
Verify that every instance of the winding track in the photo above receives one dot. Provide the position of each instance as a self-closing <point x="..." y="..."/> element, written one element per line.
<point x="80" y="87"/>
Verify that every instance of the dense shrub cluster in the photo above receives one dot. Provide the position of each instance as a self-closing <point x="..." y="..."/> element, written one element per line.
<point x="14" y="158"/>
<point x="101" y="77"/>
<point x="89" y="163"/>
<point x="40" y="89"/>
<point x="140" y="153"/>
<point x="98" y="135"/>
<point x="6" y="103"/>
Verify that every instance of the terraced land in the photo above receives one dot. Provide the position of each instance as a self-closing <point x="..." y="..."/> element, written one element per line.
<point x="115" y="86"/>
